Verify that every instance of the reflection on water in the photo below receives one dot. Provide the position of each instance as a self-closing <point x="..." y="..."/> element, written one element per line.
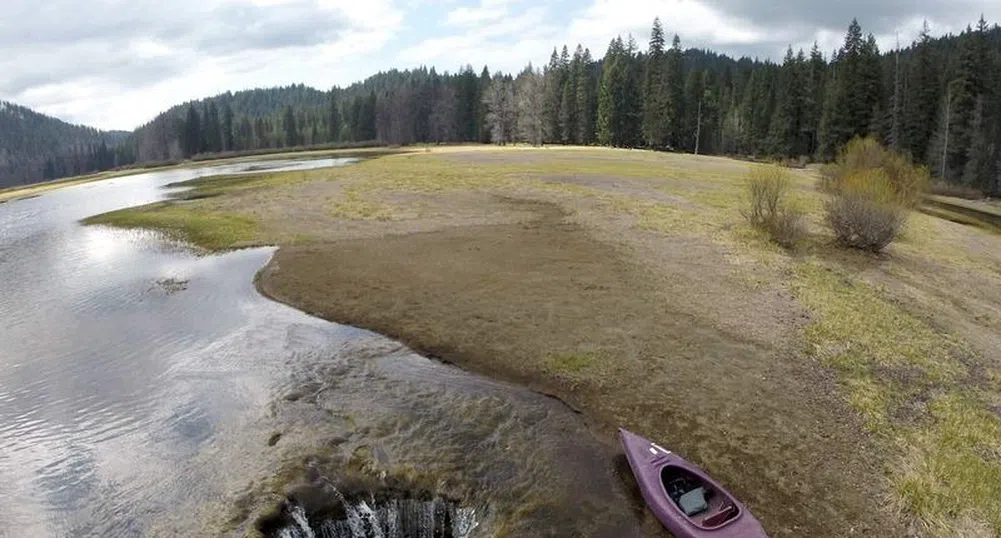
<point x="129" y="407"/>
<point x="106" y="380"/>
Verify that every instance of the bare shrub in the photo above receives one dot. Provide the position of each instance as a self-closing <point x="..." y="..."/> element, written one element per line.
<point x="866" y="213"/>
<point x="789" y="227"/>
<point x="767" y="189"/>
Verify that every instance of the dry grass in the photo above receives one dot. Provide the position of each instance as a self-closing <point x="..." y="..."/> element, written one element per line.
<point x="922" y="391"/>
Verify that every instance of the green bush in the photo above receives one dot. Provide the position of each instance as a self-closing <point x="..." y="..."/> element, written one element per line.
<point x="769" y="209"/>
<point x="908" y="181"/>
<point x="866" y="212"/>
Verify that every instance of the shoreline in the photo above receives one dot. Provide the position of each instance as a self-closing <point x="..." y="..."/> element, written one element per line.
<point x="643" y="302"/>
<point x="32" y="190"/>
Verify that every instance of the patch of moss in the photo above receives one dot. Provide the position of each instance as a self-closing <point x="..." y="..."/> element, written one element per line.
<point x="571" y="363"/>
<point x="202" y="227"/>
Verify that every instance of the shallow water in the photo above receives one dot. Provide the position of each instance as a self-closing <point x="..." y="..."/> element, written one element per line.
<point x="140" y="384"/>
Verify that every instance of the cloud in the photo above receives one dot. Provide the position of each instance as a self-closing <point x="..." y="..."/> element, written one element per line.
<point x="115" y="63"/>
<point x="487" y="10"/>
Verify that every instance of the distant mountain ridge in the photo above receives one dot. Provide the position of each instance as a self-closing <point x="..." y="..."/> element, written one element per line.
<point x="34" y="146"/>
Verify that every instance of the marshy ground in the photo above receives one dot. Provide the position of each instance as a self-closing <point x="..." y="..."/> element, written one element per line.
<point x="836" y="393"/>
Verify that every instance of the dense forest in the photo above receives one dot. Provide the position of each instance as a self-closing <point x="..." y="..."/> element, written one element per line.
<point x="937" y="99"/>
<point x="35" y="147"/>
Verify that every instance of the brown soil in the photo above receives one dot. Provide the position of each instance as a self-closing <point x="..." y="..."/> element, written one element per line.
<point x="628" y="327"/>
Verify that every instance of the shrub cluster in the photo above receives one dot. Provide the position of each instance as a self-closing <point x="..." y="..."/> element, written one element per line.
<point x="872" y="189"/>
<point x="770" y="209"/>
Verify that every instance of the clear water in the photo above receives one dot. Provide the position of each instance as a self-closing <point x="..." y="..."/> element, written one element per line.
<point x="108" y="382"/>
<point x="131" y="408"/>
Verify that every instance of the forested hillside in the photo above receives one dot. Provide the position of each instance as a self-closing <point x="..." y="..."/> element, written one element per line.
<point x="937" y="99"/>
<point x="34" y="147"/>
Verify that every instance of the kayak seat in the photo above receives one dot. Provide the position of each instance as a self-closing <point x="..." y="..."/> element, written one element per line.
<point x="693" y="502"/>
<point x="725" y="514"/>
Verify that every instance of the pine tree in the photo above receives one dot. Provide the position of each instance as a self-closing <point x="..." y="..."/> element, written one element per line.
<point x="468" y="98"/>
<point x="968" y="89"/>
<point x="333" y="119"/>
<point x="922" y="102"/>
<point x="813" y="99"/>
<point x="676" y="93"/>
<point x="586" y="104"/>
<point x="212" y="128"/>
<point x="553" y="74"/>
<point x="979" y="168"/>
<point x="228" y="143"/>
<point x="608" y="88"/>
<point x="656" y="101"/>
<point x="482" y="129"/>
<point x="785" y="133"/>
<point x="856" y="92"/>
<point x="291" y="132"/>
<point x="192" y="140"/>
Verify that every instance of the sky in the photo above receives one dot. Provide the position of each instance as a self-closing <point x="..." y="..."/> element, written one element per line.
<point x="116" y="64"/>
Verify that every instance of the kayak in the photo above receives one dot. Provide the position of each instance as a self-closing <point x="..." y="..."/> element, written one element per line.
<point x="683" y="497"/>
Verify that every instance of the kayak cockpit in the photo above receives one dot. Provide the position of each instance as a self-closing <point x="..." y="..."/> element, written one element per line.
<point x="699" y="501"/>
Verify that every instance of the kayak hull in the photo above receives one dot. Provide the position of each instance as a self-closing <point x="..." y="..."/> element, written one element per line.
<point x="651" y="462"/>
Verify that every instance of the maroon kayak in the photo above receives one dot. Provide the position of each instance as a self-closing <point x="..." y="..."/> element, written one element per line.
<point x="683" y="497"/>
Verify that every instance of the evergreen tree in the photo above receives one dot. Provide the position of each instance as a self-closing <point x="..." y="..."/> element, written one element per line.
<point x="192" y="140"/>
<point x="958" y="129"/>
<point x="656" y="100"/>
<point x="786" y="130"/>
<point x="923" y="97"/>
<point x="619" y="107"/>
<point x="856" y="91"/>
<point x="568" y="102"/>
<point x="333" y="119"/>
<point x="813" y="98"/>
<point x="676" y="93"/>
<point x="979" y="170"/>
<point x="468" y="99"/>
<point x="586" y="102"/>
<point x="481" y="122"/>
<point x="228" y="143"/>
<point x="291" y="132"/>
<point x="553" y="74"/>
<point x="212" y="129"/>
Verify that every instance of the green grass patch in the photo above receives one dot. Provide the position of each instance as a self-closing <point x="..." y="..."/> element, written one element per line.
<point x="202" y="227"/>
<point x="912" y="386"/>
<point x="571" y="363"/>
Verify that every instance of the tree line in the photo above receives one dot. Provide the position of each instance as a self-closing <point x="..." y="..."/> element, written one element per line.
<point x="34" y="147"/>
<point x="937" y="99"/>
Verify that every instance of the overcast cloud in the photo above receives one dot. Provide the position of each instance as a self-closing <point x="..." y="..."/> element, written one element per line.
<point x="117" y="63"/>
